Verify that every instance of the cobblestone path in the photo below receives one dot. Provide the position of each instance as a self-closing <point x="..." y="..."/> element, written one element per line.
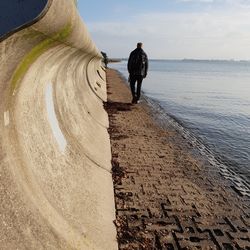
<point x="166" y="198"/>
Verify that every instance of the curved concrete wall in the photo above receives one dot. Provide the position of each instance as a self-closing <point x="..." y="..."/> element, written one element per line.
<point x="56" y="188"/>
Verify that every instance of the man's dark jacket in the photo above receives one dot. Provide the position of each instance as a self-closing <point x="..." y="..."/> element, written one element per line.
<point x="138" y="68"/>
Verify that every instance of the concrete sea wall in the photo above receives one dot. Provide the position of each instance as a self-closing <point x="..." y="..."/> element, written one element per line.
<point x="56" y="188"/>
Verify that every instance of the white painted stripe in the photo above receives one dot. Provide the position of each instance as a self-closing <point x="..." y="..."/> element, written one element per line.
<point x="6" y="118"/>
<point x="62" y="143"/>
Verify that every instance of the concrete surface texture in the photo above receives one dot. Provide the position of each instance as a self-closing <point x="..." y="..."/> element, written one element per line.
<point x="56" y="188"/>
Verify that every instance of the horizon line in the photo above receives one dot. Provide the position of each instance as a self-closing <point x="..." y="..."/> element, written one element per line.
<point x="188" y="59"/>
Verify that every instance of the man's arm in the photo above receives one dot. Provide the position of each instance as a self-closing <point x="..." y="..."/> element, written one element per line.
<point x="129" y="63"/>
<point x="146" y="65"/>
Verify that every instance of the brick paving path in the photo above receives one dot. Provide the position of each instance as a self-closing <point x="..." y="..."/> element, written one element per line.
<point x="165" y="197"/>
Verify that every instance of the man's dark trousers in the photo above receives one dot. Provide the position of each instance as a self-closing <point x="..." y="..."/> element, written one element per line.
<point x="133" y="80"/>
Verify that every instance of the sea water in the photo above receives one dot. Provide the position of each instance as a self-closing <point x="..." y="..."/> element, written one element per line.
<point x="211" y="99"/>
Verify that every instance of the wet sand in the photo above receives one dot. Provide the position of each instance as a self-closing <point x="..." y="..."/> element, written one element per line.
<point x="167" y="197"/>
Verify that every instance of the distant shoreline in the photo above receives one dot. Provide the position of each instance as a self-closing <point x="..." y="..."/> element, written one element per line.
<point x="189" y="60"/>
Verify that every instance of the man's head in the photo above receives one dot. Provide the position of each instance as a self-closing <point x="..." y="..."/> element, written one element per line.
<point x="139" y="45"/>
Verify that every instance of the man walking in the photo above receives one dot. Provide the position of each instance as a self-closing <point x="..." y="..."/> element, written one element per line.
<point x="137" y="68"/>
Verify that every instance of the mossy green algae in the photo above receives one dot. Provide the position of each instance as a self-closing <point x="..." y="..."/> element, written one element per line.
<point x="36" y="52"/>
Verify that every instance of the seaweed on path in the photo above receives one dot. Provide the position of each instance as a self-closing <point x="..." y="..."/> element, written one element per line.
<point x="117" y="172"/>
<point x="114" y="107"/>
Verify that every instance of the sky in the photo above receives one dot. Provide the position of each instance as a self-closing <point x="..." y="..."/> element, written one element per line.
<point x="170" y="29"/>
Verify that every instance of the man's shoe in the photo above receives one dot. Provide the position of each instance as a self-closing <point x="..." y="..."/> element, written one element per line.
<point x="134" y="100"/>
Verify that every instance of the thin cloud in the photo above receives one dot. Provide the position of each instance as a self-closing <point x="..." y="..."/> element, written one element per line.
<point x="229" y="2"/>
<point x="197" y="1"/>
<point x="206" y="35"/>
